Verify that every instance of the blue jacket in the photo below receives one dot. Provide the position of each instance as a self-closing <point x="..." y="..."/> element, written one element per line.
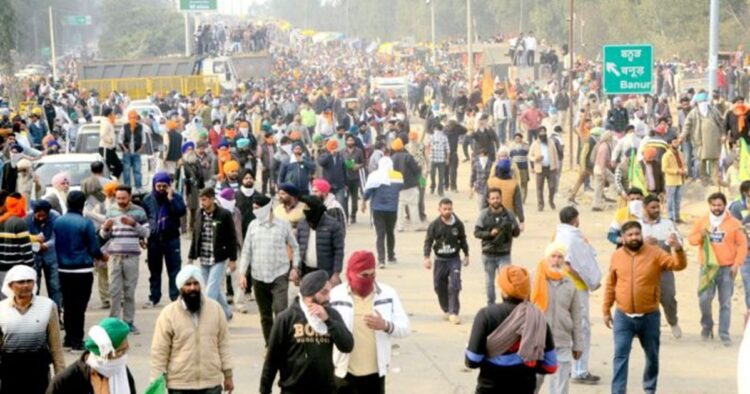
<point x="298" y="173"/>
<point x="37" y="133"/>
<point x="328" y="243"/>
<point x="334" y="173"/>
<point x="177" y="210"/>
<point x="47" y="229"/>
<point x="384" y="197"/>
<point x="76" y="242"/>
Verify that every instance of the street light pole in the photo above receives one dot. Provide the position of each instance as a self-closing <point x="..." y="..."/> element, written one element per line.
<point x="432" y="27"/>
<point x="470" y="57"/>
<point x="570" y="83"/>
<point x="187" y="34"/>
<point x="52" y="44"/>
<point x="713" y="46"/>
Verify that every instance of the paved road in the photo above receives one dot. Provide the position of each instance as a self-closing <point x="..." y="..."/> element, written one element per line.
<point x="431" y="359"/>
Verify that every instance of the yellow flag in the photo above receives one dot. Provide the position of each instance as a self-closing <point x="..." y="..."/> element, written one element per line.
<point x="488" y="85"/>
<point x="744" y="173"/>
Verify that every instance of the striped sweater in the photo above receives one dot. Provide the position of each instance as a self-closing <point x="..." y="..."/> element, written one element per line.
<point x="33" y="335"/>
<point x="15" y="244"/>
<point x="124" y="239"/>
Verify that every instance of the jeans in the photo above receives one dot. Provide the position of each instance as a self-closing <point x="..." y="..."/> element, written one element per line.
<point x="492" y="265"/>
<point x="213" y="276"/>
<point x="667" y="297"/>
<point x="501" y="126"/>
<point x="352" y="195"/>
<point x="687" y="148"/>
<point x="531" y="135"/>
<point x="441" y="184"/>
<point x="446" y="278"/>
<point x="76" y="292"/>
<point x="132" y="161"/>
<point x="550" y="176"/>
<point x="646" y="329"/>
<point x="340" y="195"/>
<point x="745" y="271"/>
<point x="368" y="384"/>
<point x="466" y="144"/>
<point x="674" y="198"/>
<point x="167" y="250"/>
<point x="123" y="279"/>
<point x="272" y="299"/>
<point x="581" y="366"/>
<point x="385" y="223"/>
<point x="725" y="285"/>
<point x="47" y="264"/>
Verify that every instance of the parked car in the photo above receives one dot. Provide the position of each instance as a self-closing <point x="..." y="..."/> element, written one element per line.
<point x="77" y="165"/>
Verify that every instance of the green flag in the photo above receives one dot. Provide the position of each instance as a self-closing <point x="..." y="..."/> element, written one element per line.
<point x="709" y="268"/>
<point x="158" y="386"/>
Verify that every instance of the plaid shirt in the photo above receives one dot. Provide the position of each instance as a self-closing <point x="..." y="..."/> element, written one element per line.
<point x="440" y="149"/>
<point x="207" y="239"/>
<point x="416" y="149"/>
<point x="265" y="249"/>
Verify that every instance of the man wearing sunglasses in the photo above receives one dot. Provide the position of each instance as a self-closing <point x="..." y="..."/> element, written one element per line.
<point x="373" y="313"/>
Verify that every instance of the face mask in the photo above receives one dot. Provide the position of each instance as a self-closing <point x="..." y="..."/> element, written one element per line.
<point x="244" y="130"/>
<point x="361" y="286"/>
<point x="217" y="128"/>
<point x="263" y="212"/>
<point x="635" y="208"/>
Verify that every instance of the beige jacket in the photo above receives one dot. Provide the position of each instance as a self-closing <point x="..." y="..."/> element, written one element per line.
<point x="106" y="135"/>
<point x="535" y="151"/>
<point x="193" y="357"/>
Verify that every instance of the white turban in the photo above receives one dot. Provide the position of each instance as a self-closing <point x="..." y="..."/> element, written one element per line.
<point x="17" y="274"/>
<point x="187" y="272"/>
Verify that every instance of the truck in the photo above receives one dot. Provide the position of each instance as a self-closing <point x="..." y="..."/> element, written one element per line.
<point x="142" y="77"/>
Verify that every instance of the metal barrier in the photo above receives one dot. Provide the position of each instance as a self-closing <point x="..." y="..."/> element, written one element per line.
<point x="140" y="88"/>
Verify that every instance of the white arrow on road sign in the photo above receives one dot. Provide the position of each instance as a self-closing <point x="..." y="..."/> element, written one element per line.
<point x="611" y="67"/>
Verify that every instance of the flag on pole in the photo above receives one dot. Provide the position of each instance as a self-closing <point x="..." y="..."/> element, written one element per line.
<point x="158" y="386"/>
<point x="709" y="268"/>
<point x="744" y="173"/>
<point x="635" y="175"/>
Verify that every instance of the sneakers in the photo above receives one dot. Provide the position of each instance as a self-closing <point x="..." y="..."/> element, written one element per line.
<point x="381" y="265"/>
<point x="133" y="329"/>
<point x="707" y="335"/>
<point x="586" y="378"/>
<point x="150" y="305"/>
<point x="392" y="260"/>
<point x="454" y="319"/>
<point x="446" y="316"/>
<point x="676" y="331"/>
<point x="726" y="342"/>
<point x="105" y="305"/>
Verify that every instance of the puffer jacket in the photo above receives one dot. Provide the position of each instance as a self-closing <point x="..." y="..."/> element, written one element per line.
<point x="329" y="243"/>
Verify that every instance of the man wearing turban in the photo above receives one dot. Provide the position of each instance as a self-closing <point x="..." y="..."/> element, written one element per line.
<point x="510" y="342"/>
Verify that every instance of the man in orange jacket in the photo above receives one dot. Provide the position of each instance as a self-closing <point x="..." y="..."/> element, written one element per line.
<point x="723" y="246"/>
<point x="633" y="283"/>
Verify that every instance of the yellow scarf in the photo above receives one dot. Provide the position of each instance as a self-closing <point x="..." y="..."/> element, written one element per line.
<point x="539" y="291"/>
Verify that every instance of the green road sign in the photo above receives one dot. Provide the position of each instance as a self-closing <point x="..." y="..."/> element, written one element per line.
<point x="198" y="5"/>
<point x="77" y="20"/>
<point x="628" y="69"/>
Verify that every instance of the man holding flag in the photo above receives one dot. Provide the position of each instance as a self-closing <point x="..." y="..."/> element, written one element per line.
<point x="723" y="247"/>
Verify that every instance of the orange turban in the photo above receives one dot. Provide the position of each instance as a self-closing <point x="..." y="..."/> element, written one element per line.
<point x="413" y="135"/>
<point x="649" y="154"/>
<point x="397" y="144"/>
<point x="109" y="188"/>
<point x="514" y="281"/>
<point x="132" y="115"/>
<point x="230" y="133"/>
<point x="332" y="145"/>
<point x="295" y="136"/>
<point x="15" y="205"/>
<point x="231" y="166"/>
<point x="172" y="124"/>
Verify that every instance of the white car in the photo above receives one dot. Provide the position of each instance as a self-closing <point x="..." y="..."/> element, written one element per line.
<point x="87" y="142"/>
<point x="77" y="165"/>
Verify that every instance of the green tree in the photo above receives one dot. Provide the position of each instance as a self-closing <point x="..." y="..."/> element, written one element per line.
<point x="8" y="32"/>
<point x="141" y="28"/>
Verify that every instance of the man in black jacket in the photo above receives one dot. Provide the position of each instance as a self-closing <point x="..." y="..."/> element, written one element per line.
<point x="404" y="163"/>
<point x="214" y="243"/>
<point x="302" y="340"/>
<point x="496" y="227"/>
<point x="446" y="236"/>
<point x="453" y="131"/>
<point x="322" y="235"/>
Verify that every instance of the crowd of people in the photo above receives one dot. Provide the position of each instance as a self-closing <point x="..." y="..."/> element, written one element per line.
<point x="327" y="148"/>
